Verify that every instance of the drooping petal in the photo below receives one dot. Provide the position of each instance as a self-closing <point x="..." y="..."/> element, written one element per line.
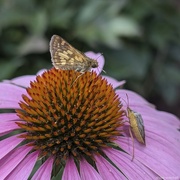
<point x="88" y="172"/>
<point x="99" y="58"/>
<point x="10" y="95"/>
<point x="154" y="155"/>
<point x="8" y="117"/>
<point x="134" y="98"/>
<point x="9" y="144"/>
<point x="107" y="170"/>
<point x="70" y="171"/>
<point x="12" y="159"/>
<point x="44" y="172"/>
<point x="8" y="126"/>
<point x="132" y="170"/>
<point x="161" y="153"/>
<point x="169" y="118"/>
<point x="7" y="122"/>
<point x="23" y="81"/>
<point x="114" y="82"/>
<point x="24" y="168"/>
<point x="41" y="71"/>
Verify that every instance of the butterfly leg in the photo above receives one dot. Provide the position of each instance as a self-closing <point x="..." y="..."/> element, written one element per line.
<point x="77" y="78"/>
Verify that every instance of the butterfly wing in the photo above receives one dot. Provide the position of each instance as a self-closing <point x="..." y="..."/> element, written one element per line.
<point x="66" y="57"/>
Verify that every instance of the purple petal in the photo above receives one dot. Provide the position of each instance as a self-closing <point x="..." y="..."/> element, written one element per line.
<point x="134" y="98"/>
<point x="7" y="122"/>
<point x="99" y="57"/>
<point x="8" y="126"/>
<point x="23" y="81"/>
<point x="44" y="172"/>
<point x="155" y="155"/>
<point x="70" y="171"/>
<point x="6" y="104"/>
<point x="41" y="72"/>
<point x="132" y="170"/>
<point x="107" y="170"/>
<point x="159" y="130"/>
<point x="169" y="118"/>
<point x="8" y="144"/>
<point x="10" y="95"/>
<point x="161" y="153"/>
<point x="24" y="168"/>
<point x="8" y="117"/>
<point x="12" y="159"/>
<point x="114" y="82"/>
<point x="87" y="171"/>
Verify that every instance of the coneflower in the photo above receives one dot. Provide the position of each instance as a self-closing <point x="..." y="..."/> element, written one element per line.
<point x="64" y="131"/>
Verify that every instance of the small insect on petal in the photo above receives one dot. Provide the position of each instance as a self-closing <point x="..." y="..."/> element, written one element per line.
<point x="136" y="126"/>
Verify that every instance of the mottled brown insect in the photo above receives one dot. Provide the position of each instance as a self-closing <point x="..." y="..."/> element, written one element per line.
<point x="136" y="126"/>
<point x="66" y="57"/>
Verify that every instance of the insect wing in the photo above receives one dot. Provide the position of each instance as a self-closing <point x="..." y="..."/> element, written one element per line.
<point x="64" y="56"/>
<point x="140" y="125"/>
<point x="137" y="125"/>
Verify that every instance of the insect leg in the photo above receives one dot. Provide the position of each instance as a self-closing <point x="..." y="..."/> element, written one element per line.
<point x="77" y="78"/>
<point x="130" y="132"/>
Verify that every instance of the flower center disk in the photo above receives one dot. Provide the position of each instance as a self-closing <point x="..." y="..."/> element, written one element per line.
<point x="64" y="114"/>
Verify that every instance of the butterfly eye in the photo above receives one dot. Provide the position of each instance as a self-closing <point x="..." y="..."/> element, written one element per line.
<point x="94" y="64"/>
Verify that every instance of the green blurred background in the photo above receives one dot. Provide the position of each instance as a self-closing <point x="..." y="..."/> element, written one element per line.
<point x="139" y="39"/>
